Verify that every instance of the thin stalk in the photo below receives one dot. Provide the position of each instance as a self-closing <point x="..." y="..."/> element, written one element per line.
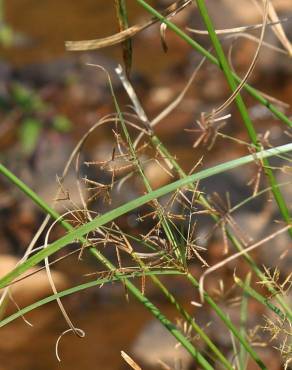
<point x="253" y="92"/>
<point x="121" y="10"/>
<point x="248" y="290"/>
<point x="147" y="185"/>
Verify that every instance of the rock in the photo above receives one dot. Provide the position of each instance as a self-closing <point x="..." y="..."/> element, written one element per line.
<point x="155" y="343"/>
<point x="32" y="288"/>
<point x="48" y="162"/>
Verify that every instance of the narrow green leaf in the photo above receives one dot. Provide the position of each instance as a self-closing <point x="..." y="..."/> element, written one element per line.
<point x="76" y="234"/>
<point x="79" y="288"/>
<point x="243" y="320"/>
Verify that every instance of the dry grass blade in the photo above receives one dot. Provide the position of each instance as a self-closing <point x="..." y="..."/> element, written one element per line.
<point x="124" y="35"/>
<point x="279" y="31"/>
<point x="108" y="41"/>
<point x="72" y="327"/>
<point x="130" y="361"/>
<point x="227" y="31"/>
<point x="80" y="334"/>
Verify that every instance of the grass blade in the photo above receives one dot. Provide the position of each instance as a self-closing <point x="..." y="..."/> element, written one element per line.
<point x="76" y="234"/>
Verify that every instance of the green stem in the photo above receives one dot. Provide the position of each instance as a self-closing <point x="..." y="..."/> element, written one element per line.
<point x="98" y="282"/>
<point x="242" y="357"/>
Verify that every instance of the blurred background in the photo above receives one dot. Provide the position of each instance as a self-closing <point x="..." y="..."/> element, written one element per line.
<point x="49" y="98"/>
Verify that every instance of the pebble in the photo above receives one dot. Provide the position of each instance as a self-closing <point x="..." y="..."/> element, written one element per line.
<point x="154" y="343"/>
<point x="32" y="288"/>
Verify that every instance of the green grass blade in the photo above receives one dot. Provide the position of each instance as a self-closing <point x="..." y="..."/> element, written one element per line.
<point x="76" y="234"/>
<point x="242" y="358"/>
<point x="78" y="288"/>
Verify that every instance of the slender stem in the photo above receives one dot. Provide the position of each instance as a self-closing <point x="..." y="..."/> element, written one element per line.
<point x="75" y="289"/>
<point x="242" y="357"/>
